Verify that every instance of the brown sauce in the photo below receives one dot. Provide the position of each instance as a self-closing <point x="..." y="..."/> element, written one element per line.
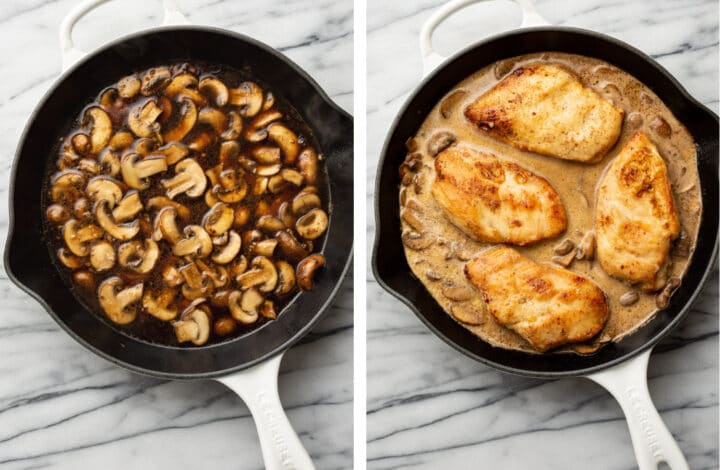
<point x="267" y="200"/>
<point x="442" y="263"/>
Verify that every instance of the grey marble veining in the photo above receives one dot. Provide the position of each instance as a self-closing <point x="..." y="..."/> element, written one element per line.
<point x="62" y="407"/>
<point x="430" y="407"/>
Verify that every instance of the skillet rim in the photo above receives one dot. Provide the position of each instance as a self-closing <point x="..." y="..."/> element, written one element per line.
<point x="11" y="240"/>
<point x="400" y="116"/>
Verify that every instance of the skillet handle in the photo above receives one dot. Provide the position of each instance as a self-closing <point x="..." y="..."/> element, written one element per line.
<point x="431" y="59"/>
<point x="71" y="54"/>
<point x="652" y="441"/>
<point x="258" y="387"/>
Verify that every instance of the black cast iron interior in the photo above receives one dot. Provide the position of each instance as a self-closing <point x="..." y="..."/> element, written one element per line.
<point x="389" y="263"/>
<point x="27" y="259"/>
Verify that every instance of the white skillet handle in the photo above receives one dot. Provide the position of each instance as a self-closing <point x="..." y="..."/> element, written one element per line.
<point x="431" y="59"/>
<point x="652" y="441"/>
<point x="258" y="387"/>
<point x="71" y="54"/>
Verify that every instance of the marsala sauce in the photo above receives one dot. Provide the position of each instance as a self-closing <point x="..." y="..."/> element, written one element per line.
<point x="575" y="183"/>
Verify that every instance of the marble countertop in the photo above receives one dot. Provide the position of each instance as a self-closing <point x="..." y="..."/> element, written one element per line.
<point x="430" y="407"/>
<point x="62" y="407"/>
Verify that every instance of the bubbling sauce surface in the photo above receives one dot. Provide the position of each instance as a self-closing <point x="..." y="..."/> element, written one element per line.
<point x="441" y="264"/>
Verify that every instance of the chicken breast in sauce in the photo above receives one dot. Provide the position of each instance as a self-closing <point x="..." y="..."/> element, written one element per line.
<point x="545" y="109"/>
<point x="635" y="219"/>
<point x="494" y="200"/>
<point x="548" y="306"/>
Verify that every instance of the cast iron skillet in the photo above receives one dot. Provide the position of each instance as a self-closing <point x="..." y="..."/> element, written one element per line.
<point x="390" y="265"/>
<point x="27" y="258"/>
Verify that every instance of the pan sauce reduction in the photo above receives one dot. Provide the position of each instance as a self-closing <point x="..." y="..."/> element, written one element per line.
<point x="439" y="263"/>
<point x="187" y="205"/>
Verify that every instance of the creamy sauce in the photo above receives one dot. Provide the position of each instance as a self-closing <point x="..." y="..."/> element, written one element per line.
<point x="442" y="262"/>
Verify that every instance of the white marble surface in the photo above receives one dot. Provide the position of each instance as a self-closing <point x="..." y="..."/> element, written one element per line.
<point x="62" y="407"/>
<point x="430" y="407"/>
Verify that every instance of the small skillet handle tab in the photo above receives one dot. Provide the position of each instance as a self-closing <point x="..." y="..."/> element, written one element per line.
<point x="258" y="387"/>
<point x="431" y="59"/>
<point x="652" y="441"/>
<point x="71" y="54"/>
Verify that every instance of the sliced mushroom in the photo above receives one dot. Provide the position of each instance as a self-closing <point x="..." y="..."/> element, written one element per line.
<point x="242" y="216"/>
<point x="173" y="152"/>
<point x="292" y="176"/>
<point x="67" y="186"/>
<point x="262" y="275"/>
<point x="218" y="219"/>
<point x="84" y="279"/>
<point x="305" y="202"/>
<point x="231" y="188"/>
<point x="101" y="130"/>
<point x="248" y="97"/>
<point x="142" y="119"/>
<point x="128" y="87"/>
<point x="57" y="214"/>
<point x="158" y="202"/>
<point x="238" y="267"/>
<point x="201" y="141"/>
<point x="257" y="130"/>
<point x="70" y="260"/>
<point x="121" y="140"/>
<point x="158" y="304"/>
<point x="171" y="275"/>
<point x="586" y="247"/>
<point x="308" y="163"/>
<point x="269" y="101"/>
<point x="102" y="255"/>
<point x="185" y="123"/>
<point x="215" y="91"/>
<point x="234" y="127"/>
<point x="468" y="313"/>
<point x="286" y="278"/>
<point x="227" y="252"/>
<point x="196" y="285"/>
<point x="196" y="243"/>
<point x="267" y="310"/>
<point x="290" y="247"/>
<point x="439" y="142"/>
<point x="276" y="184"/>
<point x="238" y="301"/>
<point x="88" y="166"/>
<point x="193" y="326"/>
<point x="117" y="303"/>
<point x="455" y="292"/>
<point x="77" y="238"/>
<point x="266" y="155"/>
<point x="213" y="118"/>
<point x="124" y="231"/>
<point x="128" y="207"/>
<point x="184" y="86"/>
<point x="260" y="186"/>
<point x="218" y="275"/>
<point x="109" y="162"/>
<point x="265" y="247"/>
<point x="81" y="143"/>
<point x="224" y="326"/>
<point x="416" y="240"/>
<point x="136" y="171"/>
<point x="154" y="80"/>
<point x="285" y="214"/>
<point x="229" y="152"/>
<point x="189" y="179"/>
<point x="106" y="188"/>
<point x="269" y="224"/>
<point x="305" y="271"/>
<point x="138" y="256"/>
<point x="287" y="140"/>
<point x="312" y="225"/>
<point x="165" y="226"/>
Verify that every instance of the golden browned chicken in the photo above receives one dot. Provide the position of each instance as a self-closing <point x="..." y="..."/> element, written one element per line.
<point x="547" y="110"/>
<point x="635" y="219"/>
<point x="494" y="200"/>
<point x="546" y="305"/>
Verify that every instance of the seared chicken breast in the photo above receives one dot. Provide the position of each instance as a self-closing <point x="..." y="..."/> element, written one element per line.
<point x="548" y="306"/>
<point x="635" y="219"/>
<point x="545" y="109"/>
<point x="494" y="200"/>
